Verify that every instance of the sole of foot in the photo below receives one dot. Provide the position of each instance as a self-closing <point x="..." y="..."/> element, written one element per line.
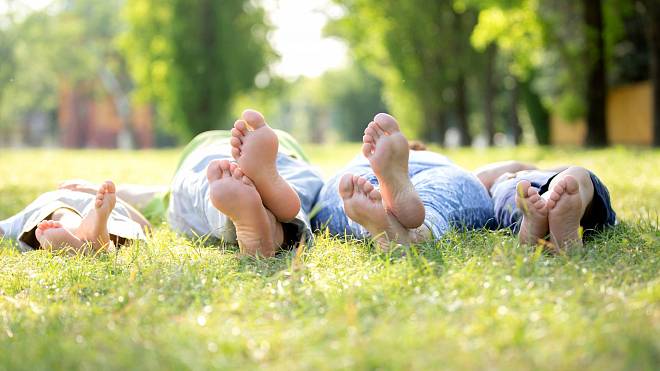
<point x="387" y="151"/>
<point x="363" y="204"/>
<point x="255" y="147"/>
<point x="235" y="195"/>
<point x="534" y="226"/>
<point x="94" y="226"/>
<point x="53" y="236"/>
<point x="565" y="208"/>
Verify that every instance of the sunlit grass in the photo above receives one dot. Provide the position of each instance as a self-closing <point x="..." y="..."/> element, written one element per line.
<point x="473" y="300"/>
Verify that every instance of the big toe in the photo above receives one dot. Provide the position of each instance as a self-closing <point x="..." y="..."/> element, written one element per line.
<point x="571" y="185"/>
<point x="110" y="186"/>
<point x="387" y="123"/>
<point x="522" y="188"/>
<point x="254" y="118"/>
<point x="346" y="186"/>
<point x="214" y="171"/>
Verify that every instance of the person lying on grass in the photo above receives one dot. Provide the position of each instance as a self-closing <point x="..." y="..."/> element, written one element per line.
<point x="252" y="185"/>
<point x="396" y="196"/>
<point x="79" y="221"/>
<point x="554" y="204"/>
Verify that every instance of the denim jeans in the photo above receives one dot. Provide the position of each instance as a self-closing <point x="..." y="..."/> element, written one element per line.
<point x="452" y="197"/>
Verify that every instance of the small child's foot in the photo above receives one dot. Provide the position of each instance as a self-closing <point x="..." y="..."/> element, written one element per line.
<point x="565" y="209"/>
<point x="94" y="226"/>
<point x="234" y="194"/>
<point x="534" y="226"/>
<point x="363" y="204"/>
<point x="255" y="147"/>
<point x="53" y="236"/>
<point x="387" y="151"/>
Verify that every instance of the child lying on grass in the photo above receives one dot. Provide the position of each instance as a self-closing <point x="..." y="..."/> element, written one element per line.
<point x="82" y="221"/>
<point x="555" y="204"/>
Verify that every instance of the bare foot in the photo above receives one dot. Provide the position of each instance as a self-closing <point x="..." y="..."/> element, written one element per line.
<point x="255" y="147"/>
<point x="387" y="151"/>
<point x="94" y="226"/>
<point x="235" y="195"/>
<point x="534" y="226"/>
<point x="53" y="236"/>
<point x="363" y="204"/>
<point x="565" y="211"/>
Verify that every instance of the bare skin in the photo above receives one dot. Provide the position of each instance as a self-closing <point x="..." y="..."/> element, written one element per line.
<point x="90" y="235"/>
<point x="129" y="195"/>
<point x="255" y="147"/>
<point x="534" y="226"/>
<point x="235" y="195"/>
<point x="363" y="204"/>
<point x="568" y="197"/>
<point x="387" y="151"/>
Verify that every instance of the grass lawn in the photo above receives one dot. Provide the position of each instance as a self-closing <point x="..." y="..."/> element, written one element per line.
<point x="474" y="300"/>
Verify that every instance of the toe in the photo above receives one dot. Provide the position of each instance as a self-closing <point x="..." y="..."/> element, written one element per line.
<point x="237" y="173"/>
<point x="368" y="187"/>
<point x="240" y="127"/>
<point x="522" y="188"/>
<point x="110" y="186"/>
<point x="375" y="195"/>
<point x="360" y="183"/>
<point x="225" y="167"/>
<point x="235" y="142"/>
<point x="213" y="171"/>
<point x="374" y="130"/>
<point x="387" y="123"/>
<point x="571" y="185"/>
<point x="368" y="139"/>
<point x="235" y="133"/>
<point x="253" y="118"/>
<point x="346" y="186"/>
<point x="235" y="153"/>
<point x="367" y="149"/>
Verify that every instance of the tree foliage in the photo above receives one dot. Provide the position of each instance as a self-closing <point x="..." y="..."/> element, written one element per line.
<point x="193" y="57"/>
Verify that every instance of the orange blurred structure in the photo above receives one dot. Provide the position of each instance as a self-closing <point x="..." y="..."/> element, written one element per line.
<point x="629" y="119"/>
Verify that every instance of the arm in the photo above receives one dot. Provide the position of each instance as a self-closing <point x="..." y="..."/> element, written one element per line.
<point x="488" y="174"/>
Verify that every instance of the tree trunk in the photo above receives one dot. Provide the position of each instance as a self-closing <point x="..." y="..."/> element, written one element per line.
<point x="596" y="74"/>
<point x="462" y="111"/>
<point x="514" y="122"/>
<point x="651" y="17"/>
<point x="489" y="94"/>
<point x="538" y="115"/>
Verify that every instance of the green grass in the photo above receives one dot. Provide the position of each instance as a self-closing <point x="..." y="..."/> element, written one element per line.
<point x="472" y="301"/>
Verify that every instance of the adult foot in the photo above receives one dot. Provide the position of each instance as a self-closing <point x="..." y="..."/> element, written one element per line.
<point x="94" y="226"/>
<point x="565" y="211"/>
<point x="53" y="236"/>
<point x="363" y="204"/>
<point x="534" y="226"/>
<point x="387" y="151"/>
<point x="235" y="195"/>
<point x="255" y="147"/>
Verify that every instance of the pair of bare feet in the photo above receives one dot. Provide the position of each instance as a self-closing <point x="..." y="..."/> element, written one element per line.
<point x="86" y="235"/>
<point x="251" y="192"/>
<point x="557" y="213"/>
<point x="395" y="213"/>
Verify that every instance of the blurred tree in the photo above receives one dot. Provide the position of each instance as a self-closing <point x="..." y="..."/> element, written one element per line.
<point x="355" y="96"/>
<point x="596" y="90"/>
<point x="193" y="57"/>
<point x="418" y="48"/>
<point x="650" y="10"/>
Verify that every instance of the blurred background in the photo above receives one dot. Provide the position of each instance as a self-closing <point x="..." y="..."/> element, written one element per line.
<point x="153" y="73"/>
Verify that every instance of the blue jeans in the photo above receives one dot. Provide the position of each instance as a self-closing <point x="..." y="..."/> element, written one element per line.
<point x="452" y="197"/>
